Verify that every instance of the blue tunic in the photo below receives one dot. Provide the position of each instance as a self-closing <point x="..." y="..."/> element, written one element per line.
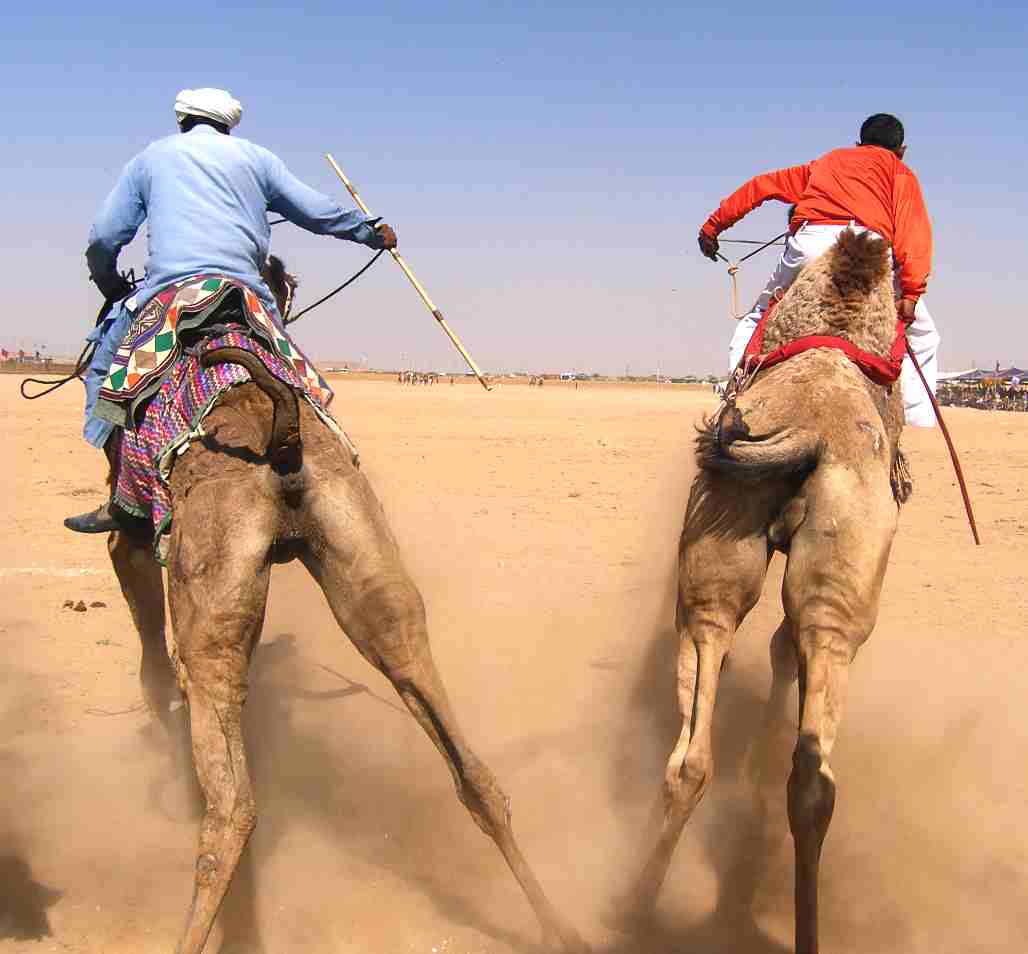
<point x="205" y="197"/>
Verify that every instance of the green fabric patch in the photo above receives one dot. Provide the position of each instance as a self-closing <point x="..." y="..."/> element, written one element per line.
<point x="164" y="341"/>
<point x="212" y="284"/>
<point x="118" y="378"/>
<point x="111" y="412"/>
<point x="283" y="346"/>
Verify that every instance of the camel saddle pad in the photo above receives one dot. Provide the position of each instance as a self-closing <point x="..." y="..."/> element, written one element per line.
<point x="174" y="417"/>
<point x="153" y="342"/>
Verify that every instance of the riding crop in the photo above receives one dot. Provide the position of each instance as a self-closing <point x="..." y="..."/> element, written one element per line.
<point x="949" y="443"/>
<point x="418" y="287"/>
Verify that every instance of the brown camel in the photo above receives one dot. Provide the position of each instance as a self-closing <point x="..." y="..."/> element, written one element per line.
<point x="805" y="460"/>
<point x="270" y="482"/>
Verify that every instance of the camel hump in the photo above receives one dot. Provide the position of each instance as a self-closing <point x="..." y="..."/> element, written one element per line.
<point x="845" y="293"/>
<point x="284" y="445"/>
<point x="726" y="445"/>
<point x="859" y="263"/>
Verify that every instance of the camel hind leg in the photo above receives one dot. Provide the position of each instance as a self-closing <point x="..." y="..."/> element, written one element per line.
<point x="218" y="581"/>
<point x="358" y="566"/>
<point x="832" y="583"/>
<point x="720" y="579"/>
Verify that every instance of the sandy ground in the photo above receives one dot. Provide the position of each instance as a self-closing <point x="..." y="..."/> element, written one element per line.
<point x="541" y="526"/>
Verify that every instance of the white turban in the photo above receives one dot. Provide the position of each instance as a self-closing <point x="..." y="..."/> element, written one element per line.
<point x="215" y="104"/>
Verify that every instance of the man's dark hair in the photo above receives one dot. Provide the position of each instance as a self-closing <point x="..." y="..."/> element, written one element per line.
<point x="883" y="130"/>
<point x="190" y="121"/>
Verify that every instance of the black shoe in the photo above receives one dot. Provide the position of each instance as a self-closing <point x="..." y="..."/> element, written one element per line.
<point x="96" y="521"/>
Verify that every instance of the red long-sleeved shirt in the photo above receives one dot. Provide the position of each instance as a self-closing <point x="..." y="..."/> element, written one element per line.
<point x="864" y="184"/>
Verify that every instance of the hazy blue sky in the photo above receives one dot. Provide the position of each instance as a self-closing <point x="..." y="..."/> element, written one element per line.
<point x="546" y="166"/>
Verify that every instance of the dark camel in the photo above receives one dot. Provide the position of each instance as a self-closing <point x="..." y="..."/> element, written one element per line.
<point x="806" y="461"/>
<point x="268" y="483"/>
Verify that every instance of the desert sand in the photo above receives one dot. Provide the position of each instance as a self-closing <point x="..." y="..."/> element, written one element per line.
<point x="541" y="526"/>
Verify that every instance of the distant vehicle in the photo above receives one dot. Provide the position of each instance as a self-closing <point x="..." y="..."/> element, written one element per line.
<point x="567" y="375"/>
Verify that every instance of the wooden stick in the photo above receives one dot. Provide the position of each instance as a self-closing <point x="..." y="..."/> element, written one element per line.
<point x="418" y="287"/>
<point x="949" y="444"/>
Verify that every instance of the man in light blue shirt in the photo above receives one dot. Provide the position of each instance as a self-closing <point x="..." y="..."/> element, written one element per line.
<point x="205" y="196"/>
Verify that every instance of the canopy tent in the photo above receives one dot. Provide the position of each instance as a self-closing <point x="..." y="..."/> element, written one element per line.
<point x="983" y="374"/>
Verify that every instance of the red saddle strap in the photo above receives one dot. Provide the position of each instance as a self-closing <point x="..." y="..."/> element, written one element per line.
<point x="881" y="370"/>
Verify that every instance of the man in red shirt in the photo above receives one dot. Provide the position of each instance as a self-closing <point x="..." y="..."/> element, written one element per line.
<point x="865" y="187"/>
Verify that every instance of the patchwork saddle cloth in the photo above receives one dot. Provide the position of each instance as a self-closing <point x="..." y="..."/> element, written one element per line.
<point x="154" y="342"/>
<point x="159" y="393"/>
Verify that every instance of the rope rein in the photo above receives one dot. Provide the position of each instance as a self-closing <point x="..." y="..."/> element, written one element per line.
<point x="335" y="291"/>
<point x="81" y="363"/>
<point x="733" y="267"/>
<point x="288" y="320"/>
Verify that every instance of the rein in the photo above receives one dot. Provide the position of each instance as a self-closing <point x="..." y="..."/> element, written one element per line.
<point x="288" y="320"/>
<point x="81" y="363"/>
<point x="335" y="291"/>
<point x="85" y="357"/>
<point x="733" y="267"/>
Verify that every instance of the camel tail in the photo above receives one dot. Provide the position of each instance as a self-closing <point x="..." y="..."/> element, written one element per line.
<point x="285" y="425"/>
<point x="725" y="445"/>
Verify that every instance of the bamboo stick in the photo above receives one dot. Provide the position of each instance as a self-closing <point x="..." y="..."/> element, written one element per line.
<point x="418" y="287"/>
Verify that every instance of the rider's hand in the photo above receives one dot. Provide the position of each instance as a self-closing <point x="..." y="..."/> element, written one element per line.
<point x="113" y="287"/>
<point x="385" y="237"/>
<point x="708" y="246"/>
<point x="905" y="310"/>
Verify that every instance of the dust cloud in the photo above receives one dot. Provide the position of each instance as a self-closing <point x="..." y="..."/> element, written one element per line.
<point x="542" y="533"/>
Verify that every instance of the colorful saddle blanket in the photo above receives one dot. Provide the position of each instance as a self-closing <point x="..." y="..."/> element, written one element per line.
<point x="154" y="342"/>
<point x="165" y="410"/>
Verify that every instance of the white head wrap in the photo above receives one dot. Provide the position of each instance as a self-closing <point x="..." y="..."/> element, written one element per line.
<point x="216" y="104"/>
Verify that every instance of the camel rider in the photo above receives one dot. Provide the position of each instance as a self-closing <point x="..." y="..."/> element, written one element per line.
<point x="865" y="187"/>
<point x="206" y="197"/>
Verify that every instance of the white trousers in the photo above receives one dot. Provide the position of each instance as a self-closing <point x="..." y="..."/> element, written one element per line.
<point x="810" y="242"/>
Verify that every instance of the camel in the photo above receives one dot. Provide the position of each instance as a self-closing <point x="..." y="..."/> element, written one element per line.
<point x="804" y="458"/>
<point x="270" y="482"/>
